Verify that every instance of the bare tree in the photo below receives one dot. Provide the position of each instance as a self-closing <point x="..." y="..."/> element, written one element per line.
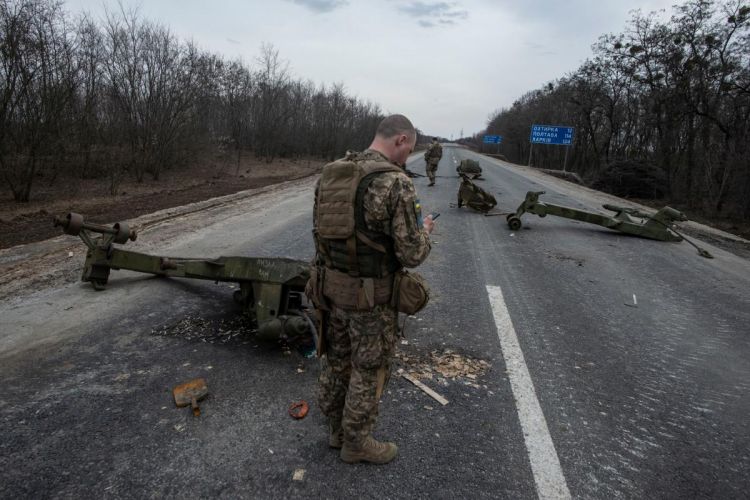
<point x="673" y="94"/>
<point x="38" y="86"/>
<point x="125" y="97"/>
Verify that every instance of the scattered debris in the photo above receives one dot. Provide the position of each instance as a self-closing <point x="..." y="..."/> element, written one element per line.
<point x="434" y="395"/>
<point x="562" y="257"/>
<point x="446" y="363"/>
<point x="299" y="410"/>
<point x="235" y="330"/>
<point x="299" y="475"/>
<point x="190" y="393"/>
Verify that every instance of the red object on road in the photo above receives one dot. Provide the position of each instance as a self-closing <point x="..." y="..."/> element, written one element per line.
<point x="298" y="410"/>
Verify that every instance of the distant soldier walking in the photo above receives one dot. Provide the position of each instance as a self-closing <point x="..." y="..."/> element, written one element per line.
<point x="367" y="227"/>
<point x="432" y="156"/>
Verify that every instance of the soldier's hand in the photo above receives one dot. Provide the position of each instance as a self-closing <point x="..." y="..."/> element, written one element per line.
<point x="428" y="224"/>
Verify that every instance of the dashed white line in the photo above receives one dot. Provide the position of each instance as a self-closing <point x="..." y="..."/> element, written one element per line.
<point x="545" y="465"/>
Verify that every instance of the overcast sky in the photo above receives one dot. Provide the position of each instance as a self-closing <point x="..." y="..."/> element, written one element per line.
<point x="445" y="64"/>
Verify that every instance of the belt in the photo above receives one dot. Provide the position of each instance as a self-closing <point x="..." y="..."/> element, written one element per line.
<point x="355" y="293"/>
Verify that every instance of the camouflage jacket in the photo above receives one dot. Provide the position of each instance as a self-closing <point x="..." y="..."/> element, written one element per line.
<point x="390" y="207"/>
<point x="434" y="151"/>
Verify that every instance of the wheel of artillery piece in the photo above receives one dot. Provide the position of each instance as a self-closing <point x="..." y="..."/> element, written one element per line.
<point x="122" y="232"/>
<point x="74" y="224"/>
<point x="514" y="223"/>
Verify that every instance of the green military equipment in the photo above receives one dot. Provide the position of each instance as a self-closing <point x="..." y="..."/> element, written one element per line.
<point x="271" y="290"/>
<point x="469" y="168"/>
<point x="473" y="196"/>
<point x="657" y="226"/>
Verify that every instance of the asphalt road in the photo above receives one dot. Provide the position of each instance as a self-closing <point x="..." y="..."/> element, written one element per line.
<point x="618" y="367"/>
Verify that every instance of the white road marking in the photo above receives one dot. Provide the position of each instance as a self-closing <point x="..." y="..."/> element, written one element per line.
<point x="545" y="465"/>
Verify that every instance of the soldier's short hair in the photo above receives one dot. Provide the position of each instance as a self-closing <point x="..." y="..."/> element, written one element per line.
<point x="395" y="125"/>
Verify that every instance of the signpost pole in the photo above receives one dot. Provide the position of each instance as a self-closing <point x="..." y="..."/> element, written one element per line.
<point x="528" y="163"/>
<point x="565" y="162"/>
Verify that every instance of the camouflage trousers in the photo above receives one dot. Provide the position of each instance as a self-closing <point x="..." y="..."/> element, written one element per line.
<point x="356" y="367"/>
<point x="431" y="168"/>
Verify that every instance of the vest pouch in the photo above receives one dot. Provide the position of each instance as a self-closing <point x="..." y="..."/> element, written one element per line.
<point x="410" y="292"/>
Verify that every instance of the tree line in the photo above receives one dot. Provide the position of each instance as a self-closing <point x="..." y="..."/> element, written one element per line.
<point x="667" y="101"/>
<point x="124" y="97"/>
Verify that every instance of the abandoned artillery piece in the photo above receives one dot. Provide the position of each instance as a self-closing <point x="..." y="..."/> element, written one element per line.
<point x="658" y="226"/>
<point x="469" y="168"/>
<point x="271" y="289"/>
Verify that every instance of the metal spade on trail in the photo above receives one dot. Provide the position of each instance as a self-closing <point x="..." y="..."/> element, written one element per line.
<point x="190" y="393"/>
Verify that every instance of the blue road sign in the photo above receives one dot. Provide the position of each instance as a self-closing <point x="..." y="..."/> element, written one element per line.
<point x="493" y="139"/>
<point x="551" y="134"/>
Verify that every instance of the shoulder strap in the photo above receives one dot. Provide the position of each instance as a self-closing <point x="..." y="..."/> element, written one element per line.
<point x="371" y="171"/>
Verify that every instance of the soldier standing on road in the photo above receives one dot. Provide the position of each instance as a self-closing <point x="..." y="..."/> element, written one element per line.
<point x="432" y="157"/>
<point x="367" y="227"/>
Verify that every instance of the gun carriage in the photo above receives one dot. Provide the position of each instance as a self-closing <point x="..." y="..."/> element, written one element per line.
<point x="271" y="290"/>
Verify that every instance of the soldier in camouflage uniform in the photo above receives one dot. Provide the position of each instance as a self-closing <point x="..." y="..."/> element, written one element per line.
<point x="432" y="157"/>
<point x="384" y="233"/>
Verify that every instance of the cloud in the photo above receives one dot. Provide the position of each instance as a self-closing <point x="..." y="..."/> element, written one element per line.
<point x="540" y="49"/>
<point x="321" y="6"/>
<point x="433" y="14"/>
<point x="232" y="40"/>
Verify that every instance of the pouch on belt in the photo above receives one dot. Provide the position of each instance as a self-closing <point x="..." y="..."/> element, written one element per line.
<point x="410" y="292"/>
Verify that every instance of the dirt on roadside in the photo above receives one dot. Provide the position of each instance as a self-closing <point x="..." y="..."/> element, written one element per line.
<point x="28" y="222"/>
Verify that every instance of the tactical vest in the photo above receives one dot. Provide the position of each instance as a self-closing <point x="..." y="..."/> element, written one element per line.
<point x="434" y="151"/>
<point x="342" y="237"/>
